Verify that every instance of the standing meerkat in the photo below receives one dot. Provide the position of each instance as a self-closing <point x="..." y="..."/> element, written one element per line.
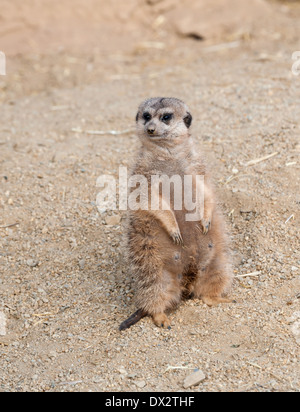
<point x="174" y="257"/>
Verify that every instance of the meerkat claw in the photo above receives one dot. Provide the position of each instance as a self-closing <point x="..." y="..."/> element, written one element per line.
<point x="205" y="226"/>
<point x="177" y="238"/>
<point x="161" y="320"/>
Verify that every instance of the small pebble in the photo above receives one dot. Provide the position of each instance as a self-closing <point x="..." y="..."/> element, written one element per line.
<point x="194" y="379"/>
<point x="32" y="263"/>
<point x="113" y="220"/>
<point x="140" y="384"/>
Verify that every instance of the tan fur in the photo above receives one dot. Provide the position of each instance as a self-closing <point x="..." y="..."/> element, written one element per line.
<point x="172" y="258"/>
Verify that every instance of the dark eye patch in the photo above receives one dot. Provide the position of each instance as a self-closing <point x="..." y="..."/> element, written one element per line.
<point x="167" y="117"/>
<point x="147" y="116"/>
<point x="188" y="120"/>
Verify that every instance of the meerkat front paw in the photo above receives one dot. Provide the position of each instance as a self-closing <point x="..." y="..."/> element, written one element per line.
<point x="177" y="238"/>
<point x="205" y="225"/>
<point x="162" y="321"/>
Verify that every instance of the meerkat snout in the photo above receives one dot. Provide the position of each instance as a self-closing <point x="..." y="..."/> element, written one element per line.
<point x="151" y="128"/>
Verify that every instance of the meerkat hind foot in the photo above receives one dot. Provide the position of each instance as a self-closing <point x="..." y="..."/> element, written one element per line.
<point x="161" y="320"/>
<point x="215" y="300"/>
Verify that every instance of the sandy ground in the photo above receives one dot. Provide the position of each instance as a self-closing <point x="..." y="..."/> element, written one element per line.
<point x="65" y="285"/>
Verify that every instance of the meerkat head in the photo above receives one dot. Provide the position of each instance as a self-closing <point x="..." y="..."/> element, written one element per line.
<point x="163" y="120"/>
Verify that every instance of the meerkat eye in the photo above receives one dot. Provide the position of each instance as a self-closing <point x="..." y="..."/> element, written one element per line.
<point x="147" y="116"/>
<point x="167" y="117"/>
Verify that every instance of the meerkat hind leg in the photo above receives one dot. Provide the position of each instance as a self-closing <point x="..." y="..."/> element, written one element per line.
<point x="212" y="285"/>
<point x="161" y="295"/>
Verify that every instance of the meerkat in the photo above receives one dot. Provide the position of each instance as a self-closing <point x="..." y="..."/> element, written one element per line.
<point x="171" y="257"/>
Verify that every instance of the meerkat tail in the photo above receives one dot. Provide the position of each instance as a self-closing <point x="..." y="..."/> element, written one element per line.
<point x="133" y="319"/>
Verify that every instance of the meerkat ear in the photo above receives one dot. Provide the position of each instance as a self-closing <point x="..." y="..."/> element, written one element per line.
<point x="188" y="120"/>
<point x="137" y="117"/>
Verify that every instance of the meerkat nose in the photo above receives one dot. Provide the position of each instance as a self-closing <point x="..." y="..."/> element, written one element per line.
<point x="151" y="130"/>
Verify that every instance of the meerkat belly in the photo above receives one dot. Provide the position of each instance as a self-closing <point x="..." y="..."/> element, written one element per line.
<point x="197" y="248"/>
